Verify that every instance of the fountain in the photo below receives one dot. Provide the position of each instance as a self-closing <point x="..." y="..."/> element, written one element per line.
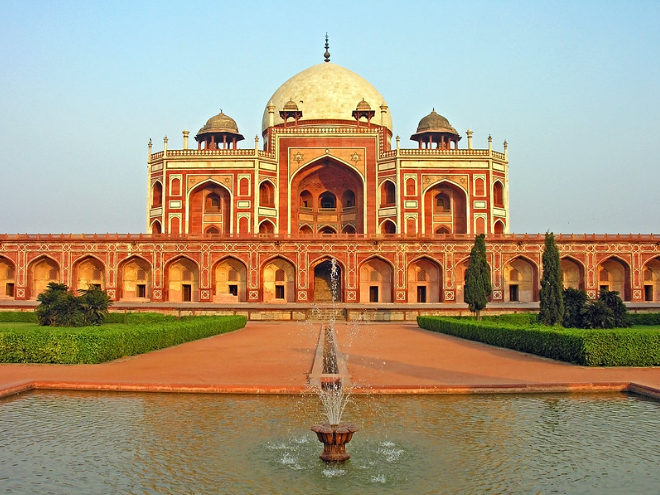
<point x="332" y="383"/>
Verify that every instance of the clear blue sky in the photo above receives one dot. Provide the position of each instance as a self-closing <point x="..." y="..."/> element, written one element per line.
<point x="573" y="86"/>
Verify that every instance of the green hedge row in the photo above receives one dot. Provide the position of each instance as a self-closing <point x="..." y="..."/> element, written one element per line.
<point x="18" y="316"/>
<point x="644" y="318"/>
<point x="615" y="347"/>
<point x="92" y="345"/>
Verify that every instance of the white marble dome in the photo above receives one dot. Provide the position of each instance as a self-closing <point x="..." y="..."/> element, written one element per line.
<point x="327" y="91"/>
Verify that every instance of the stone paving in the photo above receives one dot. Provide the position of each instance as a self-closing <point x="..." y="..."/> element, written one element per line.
<point x="381" y="357"/>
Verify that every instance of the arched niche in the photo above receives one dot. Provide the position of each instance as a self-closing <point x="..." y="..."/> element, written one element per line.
<point x="157" y="195"/>
<point x="614" y="274"/>
<point x="278" y="281"/>
<point x="88" y="272"/>
<point x="445" y="205"/>
<point x="498" y="194"/>
<point x="182" y="280"/>
<point x="387" y="194"/>
<point x="651" y="278"/>
<point x="376" y="276"/>
<point x="156" y="227"/>
<point x="388" y="227"/>
<point x="572" y="273"/>
<point x="327" y="281"/>
<point x="41" y="272"/>
<point x="521" y="280"/>
<point x="327" y="192"/>
<point x="498" y="228"/>
<point x="7" y="278"/>
<point x="135" y="279"/>
<point x="267" y="194"/>
<point x="229" y="281"/>
<point x="266" y="228"/>
<point x="209" y="204"/>
<point x="424" y="281"/>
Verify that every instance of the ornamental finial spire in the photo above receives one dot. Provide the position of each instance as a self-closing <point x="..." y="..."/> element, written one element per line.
<point x="327" y="53"/>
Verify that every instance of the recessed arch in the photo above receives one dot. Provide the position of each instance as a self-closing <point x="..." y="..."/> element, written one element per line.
<point x="572" y="273"/>
<point x="498" y="227"/>
<point x="327" y="230"/>
<point x="209" y="203"/>
<point x="88" y="271"/>
<point x="267" y="194"/>
<point x="328" y="280"/>
<point x="424" y="277"/>
<point x="327" y="192"/>
<point x="498" y="194"/>
<point x="229" y="280"/>
<point x="445" y="205"/>
<point x="614" y="275"/>
<point x="388" y="227"/>
<point x="135" y="279"/>
<point x="278" y="280"/>
<point x="521" y="280"/>
<point x="7" y="278"/>
<point x="651" y="280"/>
<point x="42" y="271"/>
<point x="376" y="277"/>
<point x="266" y="227"/>
<point x="387" y="193"/>
<point x="157" y="195"/>
<point x="182" y="280"/>
<point x="306" y="230"/>
<point x="156" y="227"/>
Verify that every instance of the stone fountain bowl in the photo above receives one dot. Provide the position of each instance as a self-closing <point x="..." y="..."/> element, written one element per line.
<point x="334" y="439"/>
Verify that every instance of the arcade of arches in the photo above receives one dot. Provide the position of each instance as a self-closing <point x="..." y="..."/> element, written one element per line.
<point x="401" y="272"/>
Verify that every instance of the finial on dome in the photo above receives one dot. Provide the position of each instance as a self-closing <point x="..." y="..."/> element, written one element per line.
<point x="327" y="53"/>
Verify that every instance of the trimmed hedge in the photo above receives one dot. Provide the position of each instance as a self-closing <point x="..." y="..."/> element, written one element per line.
<point x="93" y="345"/>
<point x="614" y="347"/>
<point x="18" y="316"/>
<point x="644" y="318"/>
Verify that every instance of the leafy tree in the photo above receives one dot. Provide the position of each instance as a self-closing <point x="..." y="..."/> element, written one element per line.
<point x="552" y="301"/>
<point x="94" y="304"/>
<point x="575" y="301"/>
<point x="477" y="278"/>
<point x="619" y="311"/>
<point x="596" y="314"/>
<point x="59" y="307"/>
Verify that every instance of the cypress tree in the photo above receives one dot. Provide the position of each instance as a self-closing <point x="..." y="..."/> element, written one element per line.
<point x="552" y="300"/>
<point x="477" y="278"/>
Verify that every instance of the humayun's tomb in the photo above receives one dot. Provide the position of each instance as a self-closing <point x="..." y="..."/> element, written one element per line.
<point x="232" y="228"/>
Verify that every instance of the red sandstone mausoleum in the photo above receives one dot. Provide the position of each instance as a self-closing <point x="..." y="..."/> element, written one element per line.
<point x="326" y="180"/>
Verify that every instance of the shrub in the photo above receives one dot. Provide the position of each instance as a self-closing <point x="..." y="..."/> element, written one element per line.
<point x="58" y="307"/>
<point x="574" y="302"/>
<point x="619" y="311"/>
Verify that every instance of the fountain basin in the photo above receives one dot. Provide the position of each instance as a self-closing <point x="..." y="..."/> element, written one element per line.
<point x="334" y="439"/>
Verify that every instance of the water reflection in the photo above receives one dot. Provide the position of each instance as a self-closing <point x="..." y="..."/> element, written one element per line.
<point x="80" y="443"/>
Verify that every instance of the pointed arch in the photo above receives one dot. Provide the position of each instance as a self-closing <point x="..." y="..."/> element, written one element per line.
<point x="157" y="194"/>
<point x="651" y="279"/>
<point x="424" y="276"/>
<point x="266" y="227"/>
<point x="498" y="194"/>
<point x="327" y="230"/>
<point x="328" y="279"/>
<point x="521" y="280"/>
<point x="182" y="280"/>
<point x="572" y="273"/>
<point x="498" y="227"/>
<point x="278" y="280"/>
<point x="267" y="194"/>
<point x="387" y="193"/>
<point x="229" y="280"/>
<point x="42" y="271"/>
<point x="445" y="205"/>
<point x="209" y="203"/>
<point x="7" y="278"/>
<point x="614" y="274"/>
<point x="388" y="227"/>
<point x="88" y="271"/>
<point x="135" y="279"/>
<point x="156" y="227"/>
<point x="376" y="280"/>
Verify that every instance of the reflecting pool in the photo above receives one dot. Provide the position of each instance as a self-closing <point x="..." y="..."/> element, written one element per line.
<point x="82" y="443"/>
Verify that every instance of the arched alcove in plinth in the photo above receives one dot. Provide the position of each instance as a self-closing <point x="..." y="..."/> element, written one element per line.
<point x="328" y="281"/>
<point x="182" y="280"/>
<point x="135" y="279"/>
<point x="229" y="281"/>
<point x="376" y="277"/>
<point x="424" y="281"/>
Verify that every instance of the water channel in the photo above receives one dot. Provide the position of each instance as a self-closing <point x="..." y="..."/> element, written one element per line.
<point x="86" y="442"/>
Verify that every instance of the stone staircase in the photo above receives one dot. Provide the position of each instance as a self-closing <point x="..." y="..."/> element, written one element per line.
<point x="326" y="314"/>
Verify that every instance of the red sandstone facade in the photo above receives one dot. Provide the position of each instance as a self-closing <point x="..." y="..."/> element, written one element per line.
<point x="264" y="224"/>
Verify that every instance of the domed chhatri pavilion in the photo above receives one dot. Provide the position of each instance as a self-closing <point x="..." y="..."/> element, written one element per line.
<point x="326" y="184"/>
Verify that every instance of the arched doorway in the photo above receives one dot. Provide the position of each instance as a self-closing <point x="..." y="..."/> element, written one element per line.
<point x="424" y="281"/>
<point x="42" y="272"/>
<point x="135" y="279"/>
<point x="445" y="206"/>
<point x="182" y="281"/>
<point x="229" y="281"/>
<point x="209" y="205"/>
<point x="651" y="276"/>
<point x="327" y="282"/>
<point x="520" y="281"/>
<point x="7" y="278"/>
<point x="327" y="193"/>
<point x="89" y="272"/>
<point x="376" y="281"/>
<point x="572" y="273"/>
<point x="614" y="274"/>
<point x="279" y="281"/>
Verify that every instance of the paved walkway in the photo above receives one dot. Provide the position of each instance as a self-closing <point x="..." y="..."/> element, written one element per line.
<point x="277" y="358"/>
